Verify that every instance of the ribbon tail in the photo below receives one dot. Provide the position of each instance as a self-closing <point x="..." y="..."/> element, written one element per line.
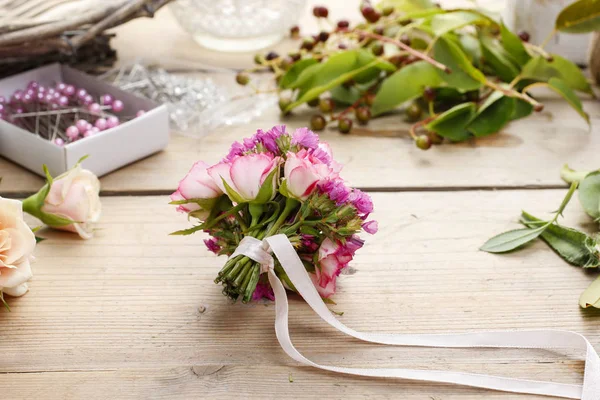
<point x="295" y="270"/>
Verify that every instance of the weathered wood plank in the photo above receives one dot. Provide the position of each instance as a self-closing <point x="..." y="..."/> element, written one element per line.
<point x="135" y="311"/>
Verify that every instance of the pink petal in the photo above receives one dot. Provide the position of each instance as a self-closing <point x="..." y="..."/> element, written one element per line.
<point x="247" y="172"/>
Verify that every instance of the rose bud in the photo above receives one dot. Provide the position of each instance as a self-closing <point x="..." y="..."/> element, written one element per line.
<point x="70" y="202"/>
<point x="304" y="170"/>
<point x="333" y="257"/>
<point x="17" y="242"/>
<point x="197" y="192"/>
<point x="247" y="178"/>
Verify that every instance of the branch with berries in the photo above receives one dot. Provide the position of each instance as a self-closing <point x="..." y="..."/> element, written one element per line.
<point x="455" y="74"/>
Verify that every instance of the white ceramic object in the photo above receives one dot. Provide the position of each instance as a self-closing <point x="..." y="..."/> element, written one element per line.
<point x="537" y="18"/>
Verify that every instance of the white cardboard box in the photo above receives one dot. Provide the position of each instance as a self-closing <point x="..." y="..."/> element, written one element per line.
<point x="107" y="150"/>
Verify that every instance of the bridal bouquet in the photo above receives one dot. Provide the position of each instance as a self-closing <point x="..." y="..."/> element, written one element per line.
<point x="276" y="182"/>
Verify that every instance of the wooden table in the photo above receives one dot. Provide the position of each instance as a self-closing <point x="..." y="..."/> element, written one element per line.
<point x="134" y="314"/>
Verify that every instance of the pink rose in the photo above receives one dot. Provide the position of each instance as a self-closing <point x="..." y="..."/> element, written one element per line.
<point x="245" y="175"/>
<point x="332" y="258"/>
<point x="303" y="171"/>
<point x="197" y="184"/>
<point x="70" y="203"/>
<point x="17" y="242"/>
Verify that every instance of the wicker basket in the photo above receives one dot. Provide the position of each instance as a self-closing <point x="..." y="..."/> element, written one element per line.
<point x="38" y="32"/>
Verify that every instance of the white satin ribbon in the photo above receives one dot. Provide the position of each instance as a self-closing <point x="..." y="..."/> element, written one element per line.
<point x="260" y="251"/>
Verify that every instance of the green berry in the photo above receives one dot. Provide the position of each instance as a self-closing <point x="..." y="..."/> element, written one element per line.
<point x="413" y="112"/>
<point x="259" y="59"/>
<point x="345" y="125"/>
<point x="326" y="105"/>
<point x="317" y="122"/>
<point x="313" y="102"/>
<point x="363" y="115"/>
<point x="370" y="99"/>
<point x="283" y="104"/>
<point x="242" y="78"/>
<point x="377" y="48"/>
<point x="423" y="142"/>
<point x="387" y="10"/>
<point x="308" y="44"/>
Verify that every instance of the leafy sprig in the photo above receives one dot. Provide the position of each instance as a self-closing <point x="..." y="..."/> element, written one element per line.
<point x="457" y="73"/>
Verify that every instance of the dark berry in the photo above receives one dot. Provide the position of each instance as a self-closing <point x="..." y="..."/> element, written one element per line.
<point x="411" y="59"/>
<point x="323" y="36"/>
<point x="342" y="46"/>
<point x="370" y="99"/>
<point x="538" y="107"/>
<point x="387" y="10"/>
<point x="405" y="22"/>
<point x="295" y="56"/>
<point x="398" y="59"/>
<point x="343" y="24"/>
<point x="405" y="39"/>
<point x="326" y="105"/>
<point x="377" y="48"/>
<point x="295" y="32"/>
<point x="242" y="78"/>
<point x="363" y="115"/>
<point x="378" y="30"/>
<point x="313" y="102"/>
<point x="370" y="14"/>
<point x="524" y="36"/>
<point x="473" y="95"/>
<point x="429" y="94"/>
<point x="423" y="142"/>
<point x="413" y="112"/>
<point x="345" y="125"/>
<point x="317" y="122"/>
<point x="349" y="83"/>
<point x="259" y="59"/>
<point x="286" y="63"/>
<point x="320" y="12"/>
<point x="271" y="56"/>
<point x="308" y="44"/>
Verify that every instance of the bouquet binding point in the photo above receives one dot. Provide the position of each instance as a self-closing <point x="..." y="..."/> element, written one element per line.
<point x="276" y="182"/>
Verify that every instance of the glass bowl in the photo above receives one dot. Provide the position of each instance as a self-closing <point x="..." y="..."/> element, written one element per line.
<point x="237" y="25"/>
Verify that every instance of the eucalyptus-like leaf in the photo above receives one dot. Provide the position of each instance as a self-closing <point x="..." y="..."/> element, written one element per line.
<point x="495" y="112"/>
<point x="582" y="16"/>
<point x="559" y="86"/>
<point x="292" y="75"/>
<point x="569" y="175"/>
<point x="522" y="109"/>
<point x="589" y="194"/>
<point x="189" y="231"/>
<point x="591" y="296"/>
<point x="511" y="240"/>
<point x="574" y="246"/>
<point x="540" y="69"/>
<point x="409" y="6"/>
<point x="472" y="48"/>
<point x="464" y="75"/>
<point x="503" y="64"/>
<point x="306" y="77"/>
<point x="452" y="123"/>
<point x="514" y="45"/>
<point x="405" y="84"/>
<point x="450" y="21"/>
<point x="346" y="95"/>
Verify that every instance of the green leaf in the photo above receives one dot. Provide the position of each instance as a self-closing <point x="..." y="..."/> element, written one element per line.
<point x="189" y="231"/>
<point x="540" y="69"/>
<point x="492" y="115"/>
<point x="4" y="301"/>
<point x="292" y="75"/>
<point x="405" y="84"/>
<point x="591" y="296"/>
<point x="266" y="191"/>
<point x="573" y="246"/>
<point x="498" y="59"/>
<point x="559" y="86"/>
<point x="452" y="123"/>
<point x="522" y="109"/>
<point x="345" y="95"/>
<point x="569" y="175"/>
<point x="443" y="23"/>
<point x="583" y="16"/>
<point x="589" y="194"/>
<point x="510" y="240"/>
<point x="472" y="48"/>
<point x="39" y="239"/>
<point x="306" y="77"/>
<point x="408" y="6"/>
<point x="365" y="57"/>
<point x="464" y="75"/>
<point x="232" y="194"/>
<point x="514" y="45"/>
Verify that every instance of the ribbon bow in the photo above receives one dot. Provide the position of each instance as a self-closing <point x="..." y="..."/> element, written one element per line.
<point x="259" y="251"/>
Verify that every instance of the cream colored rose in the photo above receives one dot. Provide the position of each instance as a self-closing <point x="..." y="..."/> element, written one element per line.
<point x="75" y="195"/>
<point x="71" y="202"/>
<point x="17" y="242"/>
